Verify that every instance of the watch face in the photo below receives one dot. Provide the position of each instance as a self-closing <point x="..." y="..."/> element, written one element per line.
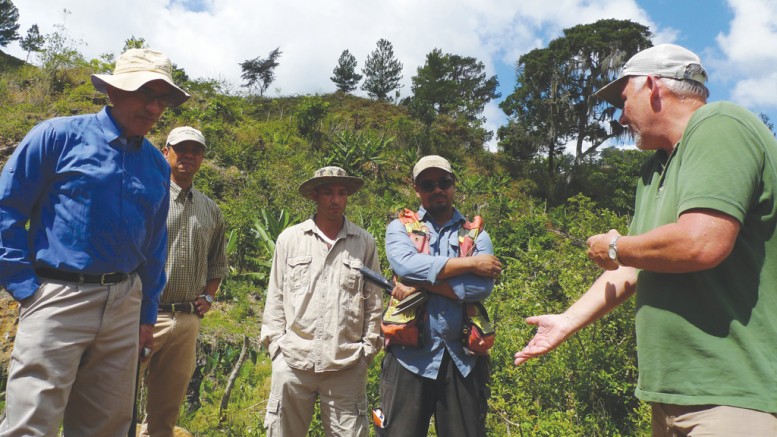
<point x="208" y="297"/>
<point x="612" y="253"/>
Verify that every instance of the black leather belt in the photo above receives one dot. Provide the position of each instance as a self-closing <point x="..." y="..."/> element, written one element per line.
<point x="81" y="278"/>
<point x="182" y="307"/>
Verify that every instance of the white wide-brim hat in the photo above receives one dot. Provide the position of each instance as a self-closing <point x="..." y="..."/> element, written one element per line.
<point x="137" y="67"/>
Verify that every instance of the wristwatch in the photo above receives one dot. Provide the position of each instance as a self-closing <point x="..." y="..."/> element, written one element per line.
<point x="207" y="297"/>
<point x="612" y="252"/>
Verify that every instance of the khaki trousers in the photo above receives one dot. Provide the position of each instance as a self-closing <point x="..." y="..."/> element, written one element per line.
<point x="74" y="361"/>
<point x="293" y="392"/>
<point x="711" y="421"/>
<point x="168" y="371"/>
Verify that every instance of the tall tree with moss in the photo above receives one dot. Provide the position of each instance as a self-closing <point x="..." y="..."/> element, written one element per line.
<point x="259" y="73"/>
<point x="9" y="22"/>
<point x="554" y="101"/>
<point x="345" y="76"/>
<point x="33" y="41"/>
<point x="382" y="72"/>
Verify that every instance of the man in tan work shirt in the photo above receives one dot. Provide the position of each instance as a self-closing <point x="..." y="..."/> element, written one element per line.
<point x="321" y="320"/>
<point x="196" y="263"/>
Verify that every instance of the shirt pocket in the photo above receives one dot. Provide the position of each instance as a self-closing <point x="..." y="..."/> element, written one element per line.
<point x="352" y="283"/>
<point x="299" y="273"/>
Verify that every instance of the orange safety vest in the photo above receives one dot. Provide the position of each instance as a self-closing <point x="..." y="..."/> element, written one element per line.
<point x="405" y="328"/>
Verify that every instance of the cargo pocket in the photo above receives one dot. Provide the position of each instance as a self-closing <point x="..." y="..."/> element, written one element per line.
<point x="272" y="420"/>
<point x="362" y="419"/>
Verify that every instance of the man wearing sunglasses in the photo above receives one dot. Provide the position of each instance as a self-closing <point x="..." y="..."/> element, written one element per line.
<point x="83" y="243"/>
<point x="438" y="377"/>
<point x="196" y="263"/>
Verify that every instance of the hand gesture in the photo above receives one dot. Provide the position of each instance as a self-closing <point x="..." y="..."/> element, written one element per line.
<point x="553" y="330"/>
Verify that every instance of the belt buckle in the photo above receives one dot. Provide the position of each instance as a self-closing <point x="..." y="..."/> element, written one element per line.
<point x="102" y="279"/>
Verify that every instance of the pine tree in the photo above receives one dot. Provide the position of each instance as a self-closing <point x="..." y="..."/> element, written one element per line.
<point x="345" y="76"/>
<point x="33" y="42"/>
<point x="382" y="71"/>
<point x="9" y="22"/>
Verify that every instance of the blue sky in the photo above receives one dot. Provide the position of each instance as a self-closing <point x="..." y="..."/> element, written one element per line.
<point x="736" y="39"/>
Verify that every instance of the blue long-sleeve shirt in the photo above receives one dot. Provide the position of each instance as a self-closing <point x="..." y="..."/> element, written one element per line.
<point x="95" y="204"/>
<point x="442" y="329"/>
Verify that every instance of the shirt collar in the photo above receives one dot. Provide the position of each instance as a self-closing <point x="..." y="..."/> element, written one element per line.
<point x="424" y="216"/>
<point x="177" y="192"/>
<point x="309" y="226"/>
<point x="112" y="131"/>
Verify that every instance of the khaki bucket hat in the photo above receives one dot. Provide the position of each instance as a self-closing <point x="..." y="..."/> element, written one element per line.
<point x="135" y="68"/>
<point x="330" y="175"/>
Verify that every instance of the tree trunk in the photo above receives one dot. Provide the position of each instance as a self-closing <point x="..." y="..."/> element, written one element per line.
<point x="232" y="379"/>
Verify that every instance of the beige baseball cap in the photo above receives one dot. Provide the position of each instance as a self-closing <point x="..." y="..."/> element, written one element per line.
<point x="185" y="133"/>
<point x="663" y="60"/>
<point x="135" y="68"/>
<point x="432" y="161"/>
<point x="330" y="175"/>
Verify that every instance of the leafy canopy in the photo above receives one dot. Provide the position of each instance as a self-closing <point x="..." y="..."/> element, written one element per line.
<point x="449" y="84"/>
<point x="554" y="103"/>
<point x="259" y="73"/>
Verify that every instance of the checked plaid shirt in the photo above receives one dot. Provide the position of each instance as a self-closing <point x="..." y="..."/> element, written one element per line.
<point x="195" y="245"/>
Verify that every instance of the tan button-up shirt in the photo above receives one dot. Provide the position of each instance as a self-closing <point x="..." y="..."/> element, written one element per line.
<point x="195" y="245"/>
<point x="320" y="312"/>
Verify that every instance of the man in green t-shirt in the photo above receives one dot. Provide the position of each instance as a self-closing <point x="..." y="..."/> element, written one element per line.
<point x="700" y="254"/>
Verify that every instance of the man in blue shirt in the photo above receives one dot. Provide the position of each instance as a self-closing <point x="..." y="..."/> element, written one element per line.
<point x="438" y="377"/>
<point x="83" y="243"/>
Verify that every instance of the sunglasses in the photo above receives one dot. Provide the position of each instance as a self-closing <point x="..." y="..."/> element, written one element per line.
<point x="430" y="186"/>
<point x="147" y="95"/>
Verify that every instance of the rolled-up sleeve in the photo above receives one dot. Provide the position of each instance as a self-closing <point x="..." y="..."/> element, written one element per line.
<point x="473" y="288"/>
<point x="405" y="260"/>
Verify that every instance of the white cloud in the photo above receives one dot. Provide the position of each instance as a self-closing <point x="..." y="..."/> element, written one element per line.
<point x="750" y="51"/>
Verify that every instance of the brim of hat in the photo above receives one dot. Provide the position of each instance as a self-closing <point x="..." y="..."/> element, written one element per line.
<point x="132" y="81"/>
<point x="352" y="184"/>
<point x="611" y="93"/>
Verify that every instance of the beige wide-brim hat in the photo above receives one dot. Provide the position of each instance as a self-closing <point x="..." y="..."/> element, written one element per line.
<point x="330" y="175"/>
<point x="137" y="67"/>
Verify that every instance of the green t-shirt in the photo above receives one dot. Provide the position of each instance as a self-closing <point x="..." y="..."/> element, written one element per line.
<point x="710" y="337"/>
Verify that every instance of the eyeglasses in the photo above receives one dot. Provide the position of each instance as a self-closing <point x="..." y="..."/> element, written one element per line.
<point x="147" y="95"/>
<point x="430" y="186"/>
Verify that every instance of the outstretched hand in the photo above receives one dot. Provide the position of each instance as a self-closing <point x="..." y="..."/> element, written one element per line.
<point x="552" y="330"/>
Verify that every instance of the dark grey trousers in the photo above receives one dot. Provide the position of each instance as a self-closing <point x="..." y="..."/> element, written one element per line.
<point x="459" y="404"/>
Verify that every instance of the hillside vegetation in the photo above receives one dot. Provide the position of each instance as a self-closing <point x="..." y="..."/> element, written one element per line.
<point x="260" y="149"/>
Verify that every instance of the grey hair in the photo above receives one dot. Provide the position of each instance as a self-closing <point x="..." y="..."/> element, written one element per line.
<point x="683" y="89"/>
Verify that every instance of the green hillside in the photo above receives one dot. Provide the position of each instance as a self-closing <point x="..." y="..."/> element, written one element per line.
<point x="260" y="149"/>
